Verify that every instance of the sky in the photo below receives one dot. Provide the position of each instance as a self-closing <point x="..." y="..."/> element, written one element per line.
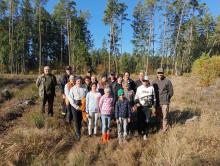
<point x="99" y="31"/>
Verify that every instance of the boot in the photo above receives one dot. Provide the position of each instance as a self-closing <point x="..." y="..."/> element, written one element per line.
<point x="104" y="138"/>
<point x="107" y="137"/>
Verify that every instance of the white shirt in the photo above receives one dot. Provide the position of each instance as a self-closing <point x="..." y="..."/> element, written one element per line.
<point x="145" y="94"/>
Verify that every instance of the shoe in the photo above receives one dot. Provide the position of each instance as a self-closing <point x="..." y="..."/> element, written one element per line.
<point x="107" y="137"/>
<point x="78" y="137"/>
<point x="104" y="137"/>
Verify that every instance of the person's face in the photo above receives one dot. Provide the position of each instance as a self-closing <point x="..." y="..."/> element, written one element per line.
<point x="126" y="76"/>
<point x="107" y="93"/>
<point x="145" y="83"/>
<point x="121" y="97"/>
<point x="94" y="88"/>
<point x="120" y="80"/>
<point x="103" y="79"/>
<point x="93" y="79"/>
<point x="112" y="77"/>
<point x="160" y="75"/>
<point x="72" y="81"/>
<point x="78" y="82"/>
<point x="141" y="76"/>
<point x="68" y="72"/>
<point x="46" y="70"/>
<point x="125" y="87"/>
<point x="87" y="81"/>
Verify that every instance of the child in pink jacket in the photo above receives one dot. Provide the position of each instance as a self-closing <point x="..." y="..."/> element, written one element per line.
<point x="106" y="108"/>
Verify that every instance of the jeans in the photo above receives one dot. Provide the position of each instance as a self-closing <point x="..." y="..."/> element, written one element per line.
<point x="93" y="119"/>
<point x="122" y="127"/>
<point x="106" y="119"/>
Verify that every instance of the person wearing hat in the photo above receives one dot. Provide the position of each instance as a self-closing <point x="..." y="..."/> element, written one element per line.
<point x="122" y="114"/>
<point x="105" y="108"/>
<point x="144" y="99"/>
<point x="67" y="88"/>
<point x="76" y="95"/>
<point x="64" y="80"/>
<point x="46" y="83"/>
<point x="164" y="92"/>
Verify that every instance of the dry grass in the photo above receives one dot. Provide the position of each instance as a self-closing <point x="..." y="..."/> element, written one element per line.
<point x="191" y="143"/>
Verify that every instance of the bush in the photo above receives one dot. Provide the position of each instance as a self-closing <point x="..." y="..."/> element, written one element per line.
<point x="207" y="68"/>
<point x="38" y="120"/>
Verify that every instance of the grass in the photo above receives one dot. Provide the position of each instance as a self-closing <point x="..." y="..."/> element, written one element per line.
<point x="49" y="141"/>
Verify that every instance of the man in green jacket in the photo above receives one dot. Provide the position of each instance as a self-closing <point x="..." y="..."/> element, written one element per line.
<point x="164" y="92"/>
<point x="46" y="84"/>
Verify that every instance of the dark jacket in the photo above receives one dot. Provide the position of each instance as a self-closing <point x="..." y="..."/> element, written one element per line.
<point x="41" y="84"/>
<point x="163" y="91"/>
<point x="132" y="85"/>
<point x="122" y="109"/>
<point x="115" y="89"/>
<point x="64" y="80"/>
<point x="138" y="83"/>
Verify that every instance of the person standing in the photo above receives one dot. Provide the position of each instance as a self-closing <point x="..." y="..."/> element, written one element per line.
<point x="87" y="83"/>
<point x="64" y="80"/>
<point x="67" y="88"/>
<point x="164" y="92"/>
<point x="77" y="94"/>
<point x="92" y="108"/>
<point x="103" y="83"/>
<point x="131" y="83"/>
<point x="139" y="82"/>
<point x="144" y="99"/>
<point x="106" y="108"/>
<point x="46" y="84"/>
<point x="122" y="115"/>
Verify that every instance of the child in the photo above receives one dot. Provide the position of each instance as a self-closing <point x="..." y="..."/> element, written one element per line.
<point x="92" y="108"/>
<point x="129" y="94"/>
<point x="122" y="114"/>
<point x="106" y="108"/>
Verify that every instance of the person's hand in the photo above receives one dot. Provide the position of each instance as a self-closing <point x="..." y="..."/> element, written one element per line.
<point x="134" y="108"/>
<point x="138" y="105"/>
<point x="129" y="120"/>
<point x="64" y="96"/>
<point x="117" y="121"/>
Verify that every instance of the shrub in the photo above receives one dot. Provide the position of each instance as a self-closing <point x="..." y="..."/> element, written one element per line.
<point x="207" y="68"/>
<point x="38" y="120"/>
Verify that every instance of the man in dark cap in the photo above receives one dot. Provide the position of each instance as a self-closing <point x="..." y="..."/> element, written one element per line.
<point x="164" y="92"/>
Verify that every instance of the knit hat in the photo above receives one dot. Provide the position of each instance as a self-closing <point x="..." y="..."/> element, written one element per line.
<point x="78" y="78"/>
<point x="107" y="90"/>
<point x="120" y="92"/>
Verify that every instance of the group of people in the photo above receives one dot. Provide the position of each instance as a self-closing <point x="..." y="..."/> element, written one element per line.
<point x="131" y="104"/>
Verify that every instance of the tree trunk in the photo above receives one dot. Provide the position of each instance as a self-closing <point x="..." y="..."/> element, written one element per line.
<point x="175" y="57"/>
<point x="40" y="42"/>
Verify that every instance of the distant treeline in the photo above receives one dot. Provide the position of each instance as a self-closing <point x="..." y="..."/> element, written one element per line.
<point x="31" y="37"/>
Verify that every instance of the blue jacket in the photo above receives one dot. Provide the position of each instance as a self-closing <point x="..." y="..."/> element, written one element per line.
<point x="122" y="109"/>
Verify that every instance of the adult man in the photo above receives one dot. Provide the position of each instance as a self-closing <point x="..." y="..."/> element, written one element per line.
<point x="131" y="83"/>
<point x="139" y="82"/>
<point x="164" y="92"/>
<point x="46" y="84"/>
<point x="87" y="83"/>
<point x="144" y="99"/>
<point x="64" y="80"/>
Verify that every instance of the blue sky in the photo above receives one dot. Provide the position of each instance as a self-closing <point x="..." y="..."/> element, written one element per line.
<point x="99" y="30"/>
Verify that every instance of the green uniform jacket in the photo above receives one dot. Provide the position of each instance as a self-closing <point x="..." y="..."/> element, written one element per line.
<point x="41" y="83"/>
